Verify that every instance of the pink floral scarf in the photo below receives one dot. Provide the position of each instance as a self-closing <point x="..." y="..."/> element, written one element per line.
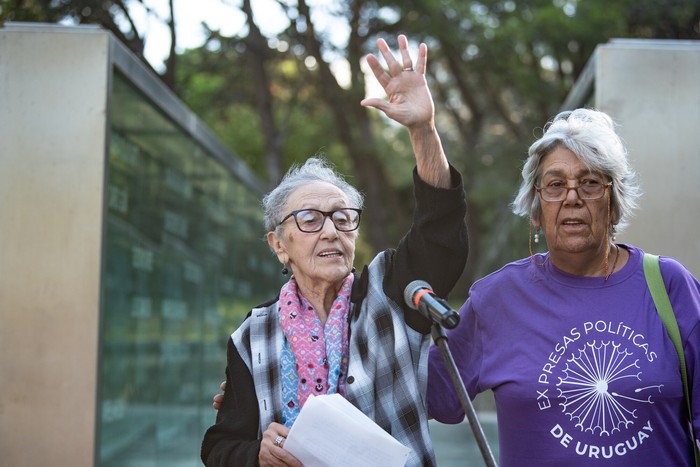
<point x="314" y="357"/>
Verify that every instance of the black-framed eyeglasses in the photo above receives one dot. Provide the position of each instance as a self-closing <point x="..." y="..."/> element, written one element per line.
<point x="312" y="220"/>
<point x="588" y="189"/>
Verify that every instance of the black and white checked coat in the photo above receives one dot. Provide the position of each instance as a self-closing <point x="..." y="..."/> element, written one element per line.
<point x="388" y="348"/>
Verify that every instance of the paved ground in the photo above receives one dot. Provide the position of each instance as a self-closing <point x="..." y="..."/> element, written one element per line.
<point x="455" y="445"/>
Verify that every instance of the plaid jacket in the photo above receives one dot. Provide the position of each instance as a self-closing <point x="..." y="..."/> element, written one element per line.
<point x="387" y="373"/>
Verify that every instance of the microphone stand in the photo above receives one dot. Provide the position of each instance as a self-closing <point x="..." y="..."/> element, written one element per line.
<point x="440" y="339"/>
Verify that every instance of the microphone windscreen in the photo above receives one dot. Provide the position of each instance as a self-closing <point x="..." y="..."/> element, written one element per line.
<point x="410" y="291"/>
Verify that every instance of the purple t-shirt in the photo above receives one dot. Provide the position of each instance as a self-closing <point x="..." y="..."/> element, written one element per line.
<point x="582" y="369"/>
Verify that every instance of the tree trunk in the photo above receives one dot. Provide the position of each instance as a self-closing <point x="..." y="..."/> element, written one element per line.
<point x="258" y="55"/>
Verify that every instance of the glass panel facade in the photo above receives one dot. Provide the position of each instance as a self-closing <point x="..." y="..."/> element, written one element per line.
<point x="184" y="262"/>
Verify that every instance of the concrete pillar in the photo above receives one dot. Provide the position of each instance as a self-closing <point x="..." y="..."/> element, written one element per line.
<point x="652" y="89"/>
<point x="53" y="107"/>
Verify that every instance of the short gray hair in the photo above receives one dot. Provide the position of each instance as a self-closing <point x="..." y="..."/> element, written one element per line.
<point x="315" y="169"/>
<point x="591" y="135"/>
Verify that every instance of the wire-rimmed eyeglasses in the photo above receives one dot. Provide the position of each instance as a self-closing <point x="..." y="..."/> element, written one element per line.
<point x="588" y="189"/>
<point x="312" y="220"/>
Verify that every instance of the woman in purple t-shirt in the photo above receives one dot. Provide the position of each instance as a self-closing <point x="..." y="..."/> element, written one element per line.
<point x="569" y="341"/>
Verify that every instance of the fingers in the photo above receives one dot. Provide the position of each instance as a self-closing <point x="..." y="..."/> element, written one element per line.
<point x="272" y="447"/>
<point x="279" y="441"/>
<point x="382" y="76"/>
<point x="276" y="433"/>
<point x="422" y="60"/>
<point x="375" y="102"/>
<point x="393" y="65"/>
<point x="405" y="55"/>
<point x="218" y="400"/>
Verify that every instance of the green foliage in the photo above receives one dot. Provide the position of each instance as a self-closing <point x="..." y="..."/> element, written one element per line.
<point x="499" y="69"/>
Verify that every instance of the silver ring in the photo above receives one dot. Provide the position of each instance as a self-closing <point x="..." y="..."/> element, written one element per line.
<point x="278" y="440"/>
<point x="410" y="68"/>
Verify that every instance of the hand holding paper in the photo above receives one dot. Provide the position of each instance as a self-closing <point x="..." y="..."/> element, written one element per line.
<point x="331" y="432"/>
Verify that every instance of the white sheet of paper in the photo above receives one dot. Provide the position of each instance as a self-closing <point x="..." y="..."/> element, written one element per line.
<point x="331" y="432"/>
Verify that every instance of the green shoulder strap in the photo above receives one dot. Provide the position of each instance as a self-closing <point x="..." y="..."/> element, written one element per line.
<point x="663" y="306"/>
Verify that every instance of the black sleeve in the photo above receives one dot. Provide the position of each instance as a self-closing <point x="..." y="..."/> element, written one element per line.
<point x="233" y="440"/>
<point x="434" y="249"/>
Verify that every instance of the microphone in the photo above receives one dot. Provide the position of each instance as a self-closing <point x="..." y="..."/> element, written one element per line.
<point x="420" y="296"/>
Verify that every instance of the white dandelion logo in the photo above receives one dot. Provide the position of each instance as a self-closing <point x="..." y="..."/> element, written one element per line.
<point x="586" y="388"/>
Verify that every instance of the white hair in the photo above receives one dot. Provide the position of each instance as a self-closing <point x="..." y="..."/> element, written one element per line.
<point x="591" y="136"/>
<point x="315" y="169"/>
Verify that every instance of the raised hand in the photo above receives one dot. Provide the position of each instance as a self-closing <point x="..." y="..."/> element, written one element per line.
<point x="410" y="103"/>
<point x="408" y="98"/>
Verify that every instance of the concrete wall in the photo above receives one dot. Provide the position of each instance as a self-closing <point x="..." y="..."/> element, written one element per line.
<point x="53" y="92"/>
<point x="652" y="89"/>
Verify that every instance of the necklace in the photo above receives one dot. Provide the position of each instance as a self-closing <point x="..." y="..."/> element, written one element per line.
<point x="617" y="254"/>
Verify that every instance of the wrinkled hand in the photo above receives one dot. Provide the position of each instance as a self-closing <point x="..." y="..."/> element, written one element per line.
<point x="272" y="454"/>
<point x="408" y="98"/>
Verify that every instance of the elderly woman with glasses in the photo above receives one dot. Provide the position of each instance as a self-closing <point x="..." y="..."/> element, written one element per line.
<point x="580" y="364"/>
<point x="331" y="330"/>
